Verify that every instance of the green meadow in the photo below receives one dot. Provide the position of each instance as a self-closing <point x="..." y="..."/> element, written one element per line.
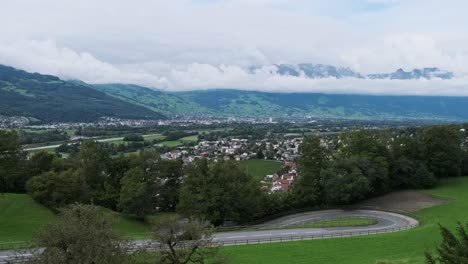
<point x="260" y="168"/>
<point x="21" y="217"/>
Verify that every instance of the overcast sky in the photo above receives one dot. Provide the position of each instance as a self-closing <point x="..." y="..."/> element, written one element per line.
<point x="202" y="44"/>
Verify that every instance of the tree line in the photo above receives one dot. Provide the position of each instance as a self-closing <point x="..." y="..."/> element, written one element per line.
<point x="333" y="171"/>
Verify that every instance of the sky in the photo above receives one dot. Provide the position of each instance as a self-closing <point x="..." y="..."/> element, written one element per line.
<point x="204" y="44"/>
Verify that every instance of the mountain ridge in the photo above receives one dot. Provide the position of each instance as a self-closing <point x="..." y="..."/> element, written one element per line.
<point x="241" y="103"/>
<point x="49" y="99"/>
<point x="321" y="71"/>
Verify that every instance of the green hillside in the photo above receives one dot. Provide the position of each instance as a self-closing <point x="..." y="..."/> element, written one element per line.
<point x="47" y="98"/>
<point x="262" y="104"/>
<point x="169" y="104"/>
<point x="21" y="217"/>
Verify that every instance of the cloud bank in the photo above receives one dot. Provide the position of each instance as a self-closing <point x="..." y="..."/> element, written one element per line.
<point x="204" y="44"/>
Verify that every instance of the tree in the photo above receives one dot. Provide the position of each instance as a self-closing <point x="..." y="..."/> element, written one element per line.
<point x="138" y="194"/>
<point x="372" y="156"/>
<point x="444" y="155"/>
<point x="12" y="172"/>
<point x="308" y="190"/>
<point x="260" y="154"/>
<point x="183" y="242"/>
<point x="362" y="143"/>
<point x="83" y="235"/>
<point x="376" y="170"/>
<point x="410" y="174"/>
<point x="92" y="163"/>
<point x="344" y="183"/>
<point x="151" y="185"/>
<point x="134" y="137"/>
<point x="218" y="191"/>
<point x="170" y="174"/>
<point x="56" y="189"/>
<point x="452" y="249"/>
<point x="112" y="186"/>
<point x="40" y="163"/>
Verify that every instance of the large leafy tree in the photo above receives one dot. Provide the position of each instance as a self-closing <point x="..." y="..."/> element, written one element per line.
<point x="118" y="167"/>
<point x="82" y="235"/>
<point x="444" y="154"/>
<point x="344" y="183"/>
<point x="56" y="189"/>
<point x="411" y="174"/>
<point x="371" y="155"/>
<point x="315" y="157"/>
<point x="139" y="193"/>
<point x="92" y="163"/>
<point x="12" y="167"/>
<point x="218" y="191"/>
<point x="151" y="185"/>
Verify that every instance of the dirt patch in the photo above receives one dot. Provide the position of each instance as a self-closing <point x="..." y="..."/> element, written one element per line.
<point x="408" y="201"/>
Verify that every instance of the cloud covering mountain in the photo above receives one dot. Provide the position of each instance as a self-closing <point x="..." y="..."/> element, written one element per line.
<point x="202" y="44"/>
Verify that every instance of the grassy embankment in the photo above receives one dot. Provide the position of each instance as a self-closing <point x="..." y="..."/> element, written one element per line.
<point x="21" y="217"/>
<point x="406" y="247"/>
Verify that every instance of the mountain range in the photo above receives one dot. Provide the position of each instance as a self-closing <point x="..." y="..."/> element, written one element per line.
<point x="45" y="98"/>
<point x="319" y="71"/>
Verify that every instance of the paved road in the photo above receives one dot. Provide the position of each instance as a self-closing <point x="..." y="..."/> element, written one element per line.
<point x="69" y="143"/>
<point x="386" y="222"/>
<point x="280" y="228"/>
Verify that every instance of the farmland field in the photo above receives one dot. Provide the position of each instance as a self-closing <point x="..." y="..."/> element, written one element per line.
<point x="181" y="141"/>
<point x="260" y="168"/>
<point x="405" y="247"/>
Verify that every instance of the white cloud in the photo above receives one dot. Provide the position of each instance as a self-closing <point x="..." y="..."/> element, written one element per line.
<point x="200" y="44"/>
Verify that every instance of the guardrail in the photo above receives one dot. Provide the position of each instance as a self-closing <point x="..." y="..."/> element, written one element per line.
<point x="151" y="245"/>
<point x="311" y="237"/>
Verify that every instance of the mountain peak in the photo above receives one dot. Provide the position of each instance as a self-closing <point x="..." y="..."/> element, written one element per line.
<point x="321" y="71"/>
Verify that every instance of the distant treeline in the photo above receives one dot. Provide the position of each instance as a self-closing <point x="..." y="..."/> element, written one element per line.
<point x="42" y="137"/>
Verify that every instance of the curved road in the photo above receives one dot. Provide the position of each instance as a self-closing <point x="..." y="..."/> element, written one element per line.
<point x="386" y="222"/>
<point x="280" y="229"/>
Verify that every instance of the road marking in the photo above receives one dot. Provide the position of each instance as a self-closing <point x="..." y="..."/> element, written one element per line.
<point x="288" y="233"/>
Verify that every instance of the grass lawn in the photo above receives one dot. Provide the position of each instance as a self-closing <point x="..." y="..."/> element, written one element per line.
<point x="340" y="222"/>
<point x="260" y="168"/>
<point x="128" y="225"/>
<point x="189" y="139"/>
<point x="173" y="143"/>
<point x="21" y="217"/>
<point x="153" y="136"/>
<point x="406" y="247"/>
<point x="117" y="142"/>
